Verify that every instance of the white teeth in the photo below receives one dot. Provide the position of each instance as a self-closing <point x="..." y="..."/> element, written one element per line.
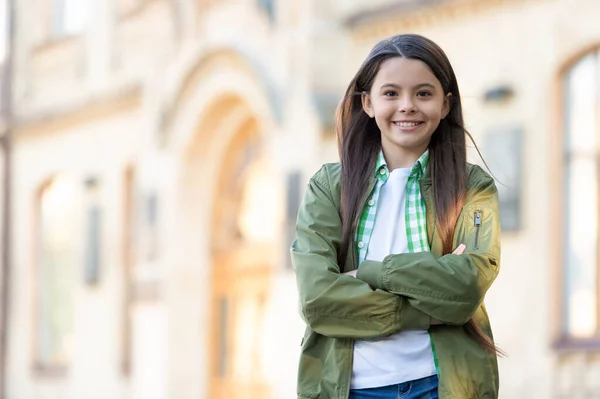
<point x="407" y="124"/>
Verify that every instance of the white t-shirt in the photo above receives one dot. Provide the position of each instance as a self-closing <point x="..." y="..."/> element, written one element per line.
<point x="405" y="356"/>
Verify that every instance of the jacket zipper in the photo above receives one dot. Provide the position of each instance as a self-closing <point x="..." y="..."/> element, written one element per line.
<point x="477" y="219"/>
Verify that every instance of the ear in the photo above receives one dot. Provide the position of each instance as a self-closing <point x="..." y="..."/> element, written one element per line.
<point x="447" y="105"/>
<point x="367" y="105"/>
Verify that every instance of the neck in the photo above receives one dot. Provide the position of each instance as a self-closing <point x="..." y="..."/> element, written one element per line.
<point x="401" y="158"/>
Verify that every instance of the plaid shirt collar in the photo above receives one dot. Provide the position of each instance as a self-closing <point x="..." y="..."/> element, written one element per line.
<point x="418" y="169"/>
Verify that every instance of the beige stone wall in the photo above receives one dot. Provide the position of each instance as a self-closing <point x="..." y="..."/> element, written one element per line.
<point x="74" y="118"/>
<point x="165" y="87"/>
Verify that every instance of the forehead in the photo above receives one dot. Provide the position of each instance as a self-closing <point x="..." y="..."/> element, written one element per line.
<point x="405" y="72"/>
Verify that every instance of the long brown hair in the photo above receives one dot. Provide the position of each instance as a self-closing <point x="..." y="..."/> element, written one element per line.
<point x="359" y="141"/>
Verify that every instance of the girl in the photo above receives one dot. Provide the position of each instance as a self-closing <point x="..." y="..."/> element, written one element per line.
<point x="398" y="243"/>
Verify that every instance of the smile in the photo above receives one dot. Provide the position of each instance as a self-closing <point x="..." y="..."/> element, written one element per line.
<point x="407" y="124"/>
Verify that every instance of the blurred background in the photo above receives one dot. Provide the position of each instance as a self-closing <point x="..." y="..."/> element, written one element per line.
<point x="154" y="154"/>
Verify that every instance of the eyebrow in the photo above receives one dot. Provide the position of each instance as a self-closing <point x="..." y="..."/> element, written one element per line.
<point x="420" y="85"/>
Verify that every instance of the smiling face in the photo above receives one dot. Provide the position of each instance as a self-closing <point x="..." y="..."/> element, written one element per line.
<point x="407" y="102"/>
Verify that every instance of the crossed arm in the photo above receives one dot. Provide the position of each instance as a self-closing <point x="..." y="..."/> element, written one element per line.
<point x="458" y="251"/>
<point x="403" y="292"/>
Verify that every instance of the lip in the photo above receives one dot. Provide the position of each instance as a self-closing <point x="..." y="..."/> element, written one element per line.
<point x="407" y="128"/>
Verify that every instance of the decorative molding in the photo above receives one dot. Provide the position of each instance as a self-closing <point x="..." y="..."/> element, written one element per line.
<point x="96" y="107"/>
<point x="216" y="61"/>
<point x="49" y="373"/>
<point x="220" y="60"/>
<point x="52" y="42"/>
<point x="365" y="17"/>
<point x="415" y="15"/>
<point x="135" y="11"/>
<point x="565" y="345"/>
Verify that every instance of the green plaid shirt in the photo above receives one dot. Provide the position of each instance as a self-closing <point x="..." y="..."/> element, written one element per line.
<point x="416" y="226"/>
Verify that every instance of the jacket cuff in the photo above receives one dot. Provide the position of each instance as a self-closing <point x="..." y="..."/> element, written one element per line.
<point x="371" y="272"/>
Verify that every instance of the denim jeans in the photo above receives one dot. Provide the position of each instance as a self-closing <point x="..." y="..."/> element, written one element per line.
<point x="425" y="388"/>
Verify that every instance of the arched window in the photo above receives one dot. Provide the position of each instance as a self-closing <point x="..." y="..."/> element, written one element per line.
<point x="581" y="278"/>
<point x="56" y="265"/>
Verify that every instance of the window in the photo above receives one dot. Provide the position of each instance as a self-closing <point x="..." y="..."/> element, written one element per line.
<point x="93" y="239"/>
<point x="56" y="270"/>
<point x="56" y="19"/>
<point x="69" y="17"/>
<point x="268" y="7"/>
<point x="581" y="128"/>
<point x="150" y="241"/>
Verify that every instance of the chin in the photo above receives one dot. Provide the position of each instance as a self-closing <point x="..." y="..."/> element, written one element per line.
<point x="411" y="144"/>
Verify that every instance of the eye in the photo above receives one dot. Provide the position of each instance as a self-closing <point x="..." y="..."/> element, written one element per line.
<point x="423" y="93"/>
<point x="390" y="93"/>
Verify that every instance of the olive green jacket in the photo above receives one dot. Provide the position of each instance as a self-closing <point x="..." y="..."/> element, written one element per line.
<point x="402" y="292"/>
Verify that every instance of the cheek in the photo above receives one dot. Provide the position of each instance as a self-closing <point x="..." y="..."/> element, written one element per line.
<point x="435" y="112"/>
<point x="384" y="109"/>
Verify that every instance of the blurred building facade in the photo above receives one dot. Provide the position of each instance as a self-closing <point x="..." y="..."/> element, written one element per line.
<point x="161" y="149"/>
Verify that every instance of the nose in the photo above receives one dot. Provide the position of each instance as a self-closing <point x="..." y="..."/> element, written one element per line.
<point x="407" y="105"/>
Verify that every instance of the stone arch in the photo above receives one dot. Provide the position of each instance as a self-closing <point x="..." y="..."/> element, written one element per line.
<point x="215" y="74"/>
<point x="218" y="135"/>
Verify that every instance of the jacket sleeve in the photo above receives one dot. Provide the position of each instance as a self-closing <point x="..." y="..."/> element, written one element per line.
<point x="450" y="288"/>
<point x="333" y="304"/>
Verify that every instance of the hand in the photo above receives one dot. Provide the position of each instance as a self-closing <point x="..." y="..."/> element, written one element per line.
<point x="460" y="249"/>
<point x="351" y="273"/>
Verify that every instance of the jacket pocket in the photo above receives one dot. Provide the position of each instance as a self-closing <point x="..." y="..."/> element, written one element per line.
<point x="480" y="229"/>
